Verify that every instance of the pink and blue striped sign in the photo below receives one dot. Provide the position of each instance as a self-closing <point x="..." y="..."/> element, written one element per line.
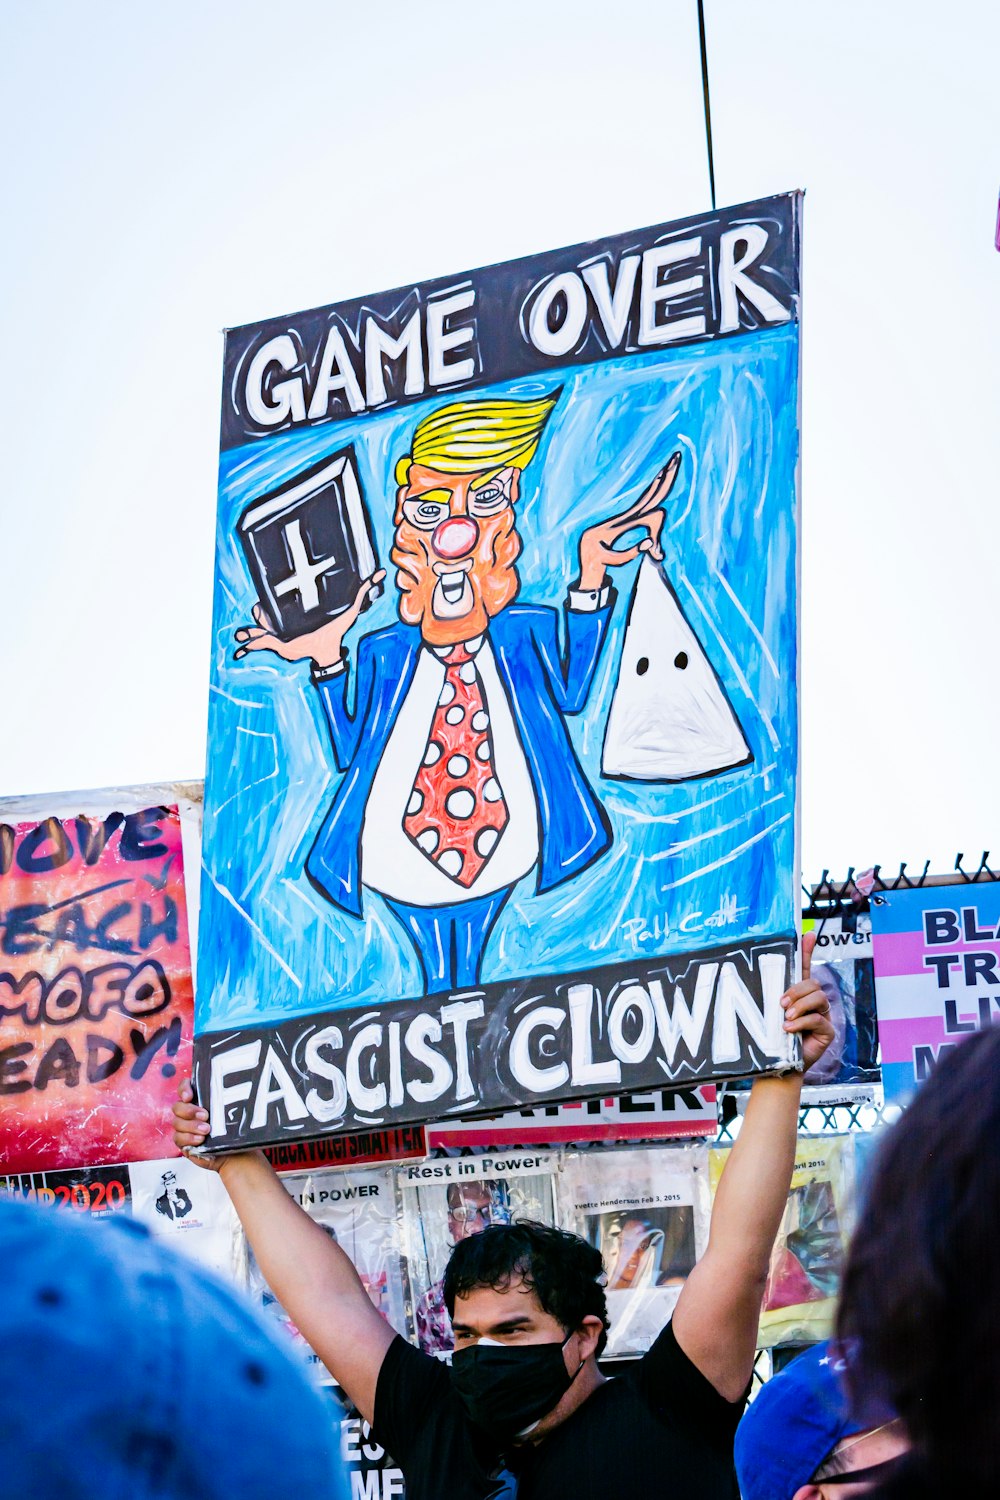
<point x="937" y="975"/>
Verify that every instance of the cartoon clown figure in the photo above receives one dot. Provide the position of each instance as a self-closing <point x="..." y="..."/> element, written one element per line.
<point x="460" y="777"/>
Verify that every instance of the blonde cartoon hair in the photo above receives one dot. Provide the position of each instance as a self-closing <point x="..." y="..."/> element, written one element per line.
<point x="472" y="435"/>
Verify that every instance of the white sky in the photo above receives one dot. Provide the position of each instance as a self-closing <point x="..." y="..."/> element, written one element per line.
<point x="173" y="169"/>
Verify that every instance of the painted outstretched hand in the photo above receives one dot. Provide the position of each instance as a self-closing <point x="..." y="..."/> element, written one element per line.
<point x="807" y="1010"/>
<point x="598" y="549"/>
<point x="324" y="645"/>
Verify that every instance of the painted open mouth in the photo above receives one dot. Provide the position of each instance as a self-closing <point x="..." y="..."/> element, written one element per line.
<point x="452" y="586"/>
<point x="453" y="596"/>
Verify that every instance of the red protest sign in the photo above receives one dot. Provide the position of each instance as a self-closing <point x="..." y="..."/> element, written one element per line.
<point x="95" y="986"/>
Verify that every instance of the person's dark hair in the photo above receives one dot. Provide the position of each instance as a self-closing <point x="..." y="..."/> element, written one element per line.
<point x="921" y="1289"/>
<point x="560" y="1268"/>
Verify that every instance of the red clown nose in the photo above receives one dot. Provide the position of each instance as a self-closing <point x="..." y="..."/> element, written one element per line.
<point x="455" y="537"/>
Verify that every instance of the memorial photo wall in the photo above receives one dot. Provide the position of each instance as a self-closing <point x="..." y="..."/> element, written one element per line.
<point x="646" y="1208"/>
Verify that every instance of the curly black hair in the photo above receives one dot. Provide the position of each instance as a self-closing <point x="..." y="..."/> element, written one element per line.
<point x="560" y="1268"/>
<point x="921" y="1289"/>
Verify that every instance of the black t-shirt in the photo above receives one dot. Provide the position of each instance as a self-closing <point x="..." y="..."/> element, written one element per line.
<point x="662" y="1428"/>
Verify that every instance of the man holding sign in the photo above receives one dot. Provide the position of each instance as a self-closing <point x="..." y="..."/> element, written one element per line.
<point x="525" y="1407"/>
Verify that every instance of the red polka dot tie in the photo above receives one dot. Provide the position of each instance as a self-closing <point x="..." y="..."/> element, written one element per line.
<point x="456" y="812"/>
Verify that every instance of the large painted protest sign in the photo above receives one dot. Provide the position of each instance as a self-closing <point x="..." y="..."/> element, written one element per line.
<point x="937" y="975"/>
<point x="96" y="1004"/>
<point x="502" y="776"/>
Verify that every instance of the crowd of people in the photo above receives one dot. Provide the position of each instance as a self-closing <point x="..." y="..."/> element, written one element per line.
<point x="128" y="1373"/>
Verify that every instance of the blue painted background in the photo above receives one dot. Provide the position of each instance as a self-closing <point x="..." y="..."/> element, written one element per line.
<point x="693" y="863"/>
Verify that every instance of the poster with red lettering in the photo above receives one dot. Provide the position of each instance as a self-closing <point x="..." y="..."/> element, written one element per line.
<point x="96" y="992"/>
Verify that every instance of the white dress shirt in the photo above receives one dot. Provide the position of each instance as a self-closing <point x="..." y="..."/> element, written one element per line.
<point x="390" y="862"/>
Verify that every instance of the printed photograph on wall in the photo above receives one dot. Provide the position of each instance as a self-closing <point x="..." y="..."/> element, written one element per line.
<point x="647" y="1211"/>
<point x="807" y="1260"/>
<point x="501" y="800"/>
<point x="189" y="1208"/>
<point x="842" y="962"/>
<point x="449" y="1200"/>
<point x="96" y="995"/>
<point x="359" y="1210"/>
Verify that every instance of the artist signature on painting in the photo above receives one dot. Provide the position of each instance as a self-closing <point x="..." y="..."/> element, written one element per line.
<point x="640" y="931"/>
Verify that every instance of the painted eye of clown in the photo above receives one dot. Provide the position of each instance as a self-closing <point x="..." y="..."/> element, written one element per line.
<point x="428" y="510"/>
<point x="489" y="497"/>
<point x="492" y="494"/>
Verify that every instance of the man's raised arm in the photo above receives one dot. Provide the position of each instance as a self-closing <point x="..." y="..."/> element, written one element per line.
<point x="308" y="1272"/>
<point x="718" y="1311"/>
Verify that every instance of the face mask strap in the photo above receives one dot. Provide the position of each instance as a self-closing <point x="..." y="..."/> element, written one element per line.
<point x="565" y="1341"/>
<point x="527" y="1431"/>
<point x="888" y="1469"/>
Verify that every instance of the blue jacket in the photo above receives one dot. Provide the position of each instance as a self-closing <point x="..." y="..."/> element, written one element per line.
<point x="542" y="684"/>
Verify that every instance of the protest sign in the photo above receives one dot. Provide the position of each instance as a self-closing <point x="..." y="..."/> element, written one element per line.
<point x="396" y="1143"/>
<point x="937" y="975"/>
<point x="647" y="1211"/>
<point x="95" y="974"/>
<point x="177" y="1200"/>
<point x="372" y="1473"/>
<point x="503" y="760"/>
<point x="95" y="1191"/>
<point x="663" y="1115"/>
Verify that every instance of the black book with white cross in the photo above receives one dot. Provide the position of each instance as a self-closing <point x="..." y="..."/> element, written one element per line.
<point x="308" y="545"/>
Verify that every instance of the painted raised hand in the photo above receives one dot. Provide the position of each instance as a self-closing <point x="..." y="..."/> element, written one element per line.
<point x="598" y="549"/>
<point x="324" y="645"/>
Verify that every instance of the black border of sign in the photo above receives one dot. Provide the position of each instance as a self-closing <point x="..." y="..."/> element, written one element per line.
<point x="486" y="1040"/>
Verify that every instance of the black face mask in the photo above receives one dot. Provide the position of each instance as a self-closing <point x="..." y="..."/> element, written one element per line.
<point x="506" y="1389"/>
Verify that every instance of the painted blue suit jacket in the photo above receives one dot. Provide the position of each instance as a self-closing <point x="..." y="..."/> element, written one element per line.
<point x="542" y="683"/>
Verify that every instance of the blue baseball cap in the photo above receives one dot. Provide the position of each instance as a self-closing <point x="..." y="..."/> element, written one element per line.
<point x="797" y="1419"/>
<point x="129" y="1373"/>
